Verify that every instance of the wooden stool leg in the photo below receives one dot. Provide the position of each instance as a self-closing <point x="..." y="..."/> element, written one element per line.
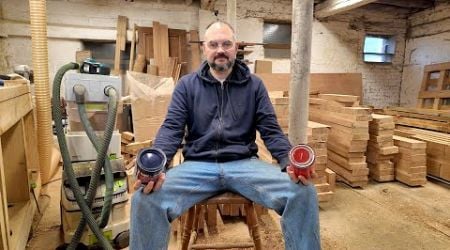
<point x="186" y="234"/>
<point x="252" y="224"/>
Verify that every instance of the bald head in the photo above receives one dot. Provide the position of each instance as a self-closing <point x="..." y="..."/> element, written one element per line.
<point x="221" y="26"/>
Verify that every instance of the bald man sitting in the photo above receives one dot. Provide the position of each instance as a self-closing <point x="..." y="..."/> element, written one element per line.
<point x="217" y="111"/>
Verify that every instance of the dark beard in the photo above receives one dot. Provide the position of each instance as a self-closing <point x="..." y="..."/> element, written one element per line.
<point x="221" y="68"/>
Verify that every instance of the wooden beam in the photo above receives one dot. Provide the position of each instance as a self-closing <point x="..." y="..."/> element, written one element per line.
<point x="419" y="4"/>
<point x="333" y="7"/>
<point x="207" y="4"/>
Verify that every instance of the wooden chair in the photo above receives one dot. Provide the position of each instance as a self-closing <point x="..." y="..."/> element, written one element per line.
<point x="189" y="234"/>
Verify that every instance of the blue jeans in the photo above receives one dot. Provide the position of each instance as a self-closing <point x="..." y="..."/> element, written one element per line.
<point x="195" y="181"/>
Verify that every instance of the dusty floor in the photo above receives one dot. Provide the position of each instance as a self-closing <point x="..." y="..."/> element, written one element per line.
<point x="381" y="216"/>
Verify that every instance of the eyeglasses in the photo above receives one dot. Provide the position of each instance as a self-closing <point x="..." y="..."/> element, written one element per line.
<point x="226" y="45"/>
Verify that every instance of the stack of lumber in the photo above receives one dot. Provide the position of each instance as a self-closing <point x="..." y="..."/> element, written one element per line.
<point x="437" y="120"/>
<point x="410" y="162"/>
<point x="160" y="51"/>
<point x="130" y="149"/>
<point x="438" y="149"/>
<point x="348" y="137"/>
<point x="325" y="181"/>
<point x="317" y="139"/>
<point x="280" y="102"/>
<point x="381" y="149"/>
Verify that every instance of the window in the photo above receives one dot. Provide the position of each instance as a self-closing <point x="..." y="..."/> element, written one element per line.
<point x="379" y="49"/>
<point x="277" y="37"/>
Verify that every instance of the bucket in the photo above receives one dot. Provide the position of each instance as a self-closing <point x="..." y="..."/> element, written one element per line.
<point x="150" y="163"/>
<point x="302" y="158"/>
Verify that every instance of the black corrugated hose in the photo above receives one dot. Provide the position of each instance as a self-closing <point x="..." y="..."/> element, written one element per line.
<point x="68" y="170"/>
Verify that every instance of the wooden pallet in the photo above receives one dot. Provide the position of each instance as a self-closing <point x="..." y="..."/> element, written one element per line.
<point x="435" y="90"/>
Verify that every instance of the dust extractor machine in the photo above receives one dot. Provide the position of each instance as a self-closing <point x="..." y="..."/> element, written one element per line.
<point x="94" y="199"/>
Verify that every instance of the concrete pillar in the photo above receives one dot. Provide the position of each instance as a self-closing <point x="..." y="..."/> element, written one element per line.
<point x="302" y="21"/>
<point x="231" y="13"/>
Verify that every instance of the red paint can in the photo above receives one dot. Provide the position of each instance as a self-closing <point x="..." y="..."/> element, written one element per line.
<point x="302" y="158"/>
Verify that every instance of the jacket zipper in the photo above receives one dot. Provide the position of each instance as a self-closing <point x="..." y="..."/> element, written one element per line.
<point x="219" y="132"/>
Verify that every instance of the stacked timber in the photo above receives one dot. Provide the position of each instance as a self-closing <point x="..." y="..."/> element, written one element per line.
<point x="430" y="119"/>
<point x="280" y="102"/>
<point x="438" y="149"/>
<point x="348" y="136"/>
<point x="317" y="139"/>
<point x="129" y="150"/>
<point x="381" y="149"/>
<point x="410" y="162"/>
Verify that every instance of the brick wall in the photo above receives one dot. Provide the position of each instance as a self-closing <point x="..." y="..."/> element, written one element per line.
<point x="428" y="42"/>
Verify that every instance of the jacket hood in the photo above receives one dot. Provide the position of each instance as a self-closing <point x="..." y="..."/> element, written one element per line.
<point x="239" y="74"/>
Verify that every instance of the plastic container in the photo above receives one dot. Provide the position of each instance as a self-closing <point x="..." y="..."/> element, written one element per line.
<point x="302" y="158"/>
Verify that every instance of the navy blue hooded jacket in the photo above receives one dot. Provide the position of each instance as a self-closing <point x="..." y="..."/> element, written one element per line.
<point x="221" y="120"/>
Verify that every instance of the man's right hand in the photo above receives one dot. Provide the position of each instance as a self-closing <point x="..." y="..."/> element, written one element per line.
<point x="152" y="185"/>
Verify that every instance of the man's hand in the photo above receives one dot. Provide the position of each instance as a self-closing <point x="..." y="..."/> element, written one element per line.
<point x="300" y="178"/>
<point x="152" y="185"/>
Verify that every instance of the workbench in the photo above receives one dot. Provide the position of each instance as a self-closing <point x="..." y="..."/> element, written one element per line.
<point x="19" y="166"/>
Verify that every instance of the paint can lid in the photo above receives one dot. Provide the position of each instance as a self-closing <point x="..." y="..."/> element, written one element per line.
<point x="302" y="156"/>
<point x="151" y="161"/>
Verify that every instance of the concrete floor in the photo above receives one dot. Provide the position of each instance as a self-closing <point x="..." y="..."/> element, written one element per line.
<point x="380" y="216"/>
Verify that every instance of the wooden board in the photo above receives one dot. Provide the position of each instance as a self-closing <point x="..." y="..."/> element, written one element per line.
<point x="262" y="66"/>
<point x="121" y="38"/>
<point x="15" y="102"/>
<point x="324" y="83"/>
<point x="195" y="51"/>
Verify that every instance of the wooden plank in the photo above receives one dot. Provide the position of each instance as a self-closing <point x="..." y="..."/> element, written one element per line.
<point x="122" y="22"/>
<point x="127" y="135"/>
<point x="435" y="94"/>
<point x="340" y="98"/>
<point x="133" y="47"/>
<point x="30" y="142"/>
<point x="133" y="148"/>
<point x="178" y="47"/>
<point x="7" y="93"/>
<point x="82" y="55"/>
<point x="144" y="42"/>
<point x="333" y="7"/>
<point x="195" y="51"/>
<point x="408" y="143"/>
<point x="4" y="216"/>
<point x="426" y="124"/>
<point x="13" y="110"/>
<point x="160" y="43"/>
<point x="21" y="217"/>
<point x="15" y="167"/>
<point x="324" y="83"/>
<point x="263" y="66"/>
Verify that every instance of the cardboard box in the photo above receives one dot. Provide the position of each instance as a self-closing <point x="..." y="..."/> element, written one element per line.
<point x="150" y="99"/>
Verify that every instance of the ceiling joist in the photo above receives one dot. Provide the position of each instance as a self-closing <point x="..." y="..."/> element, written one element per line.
<point x="333" y="7"/>
<point x="416" y="4"/>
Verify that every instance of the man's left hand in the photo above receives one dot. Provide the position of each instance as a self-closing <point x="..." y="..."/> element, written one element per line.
<point x="300" y="178"/>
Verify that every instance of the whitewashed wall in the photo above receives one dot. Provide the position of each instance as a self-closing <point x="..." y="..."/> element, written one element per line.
<point x="337" y="42"/>
<point x="70" y="22"/>
<point x="428" y="42"/>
